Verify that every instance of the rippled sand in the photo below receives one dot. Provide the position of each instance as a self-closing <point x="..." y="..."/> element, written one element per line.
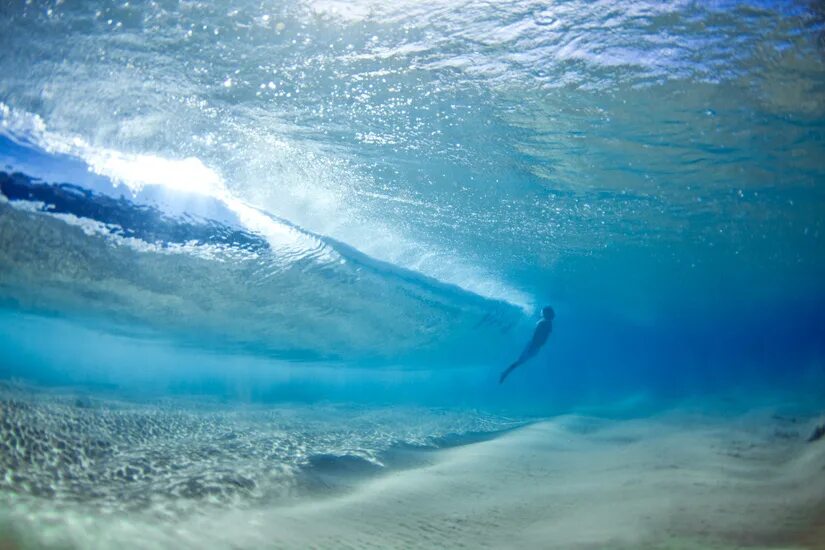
<point x="672" y="482"/>
<point x="676" y="480"/>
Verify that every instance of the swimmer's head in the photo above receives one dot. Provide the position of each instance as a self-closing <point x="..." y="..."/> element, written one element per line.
<point x="548" y="313"/>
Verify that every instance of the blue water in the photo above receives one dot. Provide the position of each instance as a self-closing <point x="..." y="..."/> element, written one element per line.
<point x="369" y="203"/>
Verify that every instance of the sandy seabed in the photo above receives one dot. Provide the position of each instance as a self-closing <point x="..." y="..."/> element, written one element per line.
<point x="576" y="483"/>
<point x="677" y="480"/>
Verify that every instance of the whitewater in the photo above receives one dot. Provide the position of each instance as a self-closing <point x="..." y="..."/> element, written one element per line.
<point x="263" y="263"/>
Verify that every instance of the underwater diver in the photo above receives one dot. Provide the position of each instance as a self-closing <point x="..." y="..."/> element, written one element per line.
<point x="543" y="329"/>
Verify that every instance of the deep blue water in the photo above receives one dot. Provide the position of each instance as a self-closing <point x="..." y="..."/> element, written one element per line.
<point x="369" y="203"/>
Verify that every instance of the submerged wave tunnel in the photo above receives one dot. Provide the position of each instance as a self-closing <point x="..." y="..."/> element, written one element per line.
<point x="166" y="256"/>
<point x="224" y="273"/>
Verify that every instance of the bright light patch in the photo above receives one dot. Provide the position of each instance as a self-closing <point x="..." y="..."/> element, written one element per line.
<point x="189" y="175"/>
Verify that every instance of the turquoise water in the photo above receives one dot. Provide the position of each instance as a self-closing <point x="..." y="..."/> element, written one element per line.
<point x="367" y="204"/>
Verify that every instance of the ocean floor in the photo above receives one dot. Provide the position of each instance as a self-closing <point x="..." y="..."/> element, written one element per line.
<point x="92" y="472"/>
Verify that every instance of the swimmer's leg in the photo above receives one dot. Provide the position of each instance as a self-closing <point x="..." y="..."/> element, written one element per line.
<point x="525" y="356"/>
<point x="509" y="369"/>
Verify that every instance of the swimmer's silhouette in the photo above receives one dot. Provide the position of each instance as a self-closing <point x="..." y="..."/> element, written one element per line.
<point x="543" y="329"/>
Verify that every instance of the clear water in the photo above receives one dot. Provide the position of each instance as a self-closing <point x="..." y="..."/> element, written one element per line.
<point x="368" y="203"/>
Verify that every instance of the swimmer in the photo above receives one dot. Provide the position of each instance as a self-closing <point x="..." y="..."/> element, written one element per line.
<point x="543" y="329"/>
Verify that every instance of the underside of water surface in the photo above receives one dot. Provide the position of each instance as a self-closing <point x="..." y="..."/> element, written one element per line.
<point x="261" y="262"/>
